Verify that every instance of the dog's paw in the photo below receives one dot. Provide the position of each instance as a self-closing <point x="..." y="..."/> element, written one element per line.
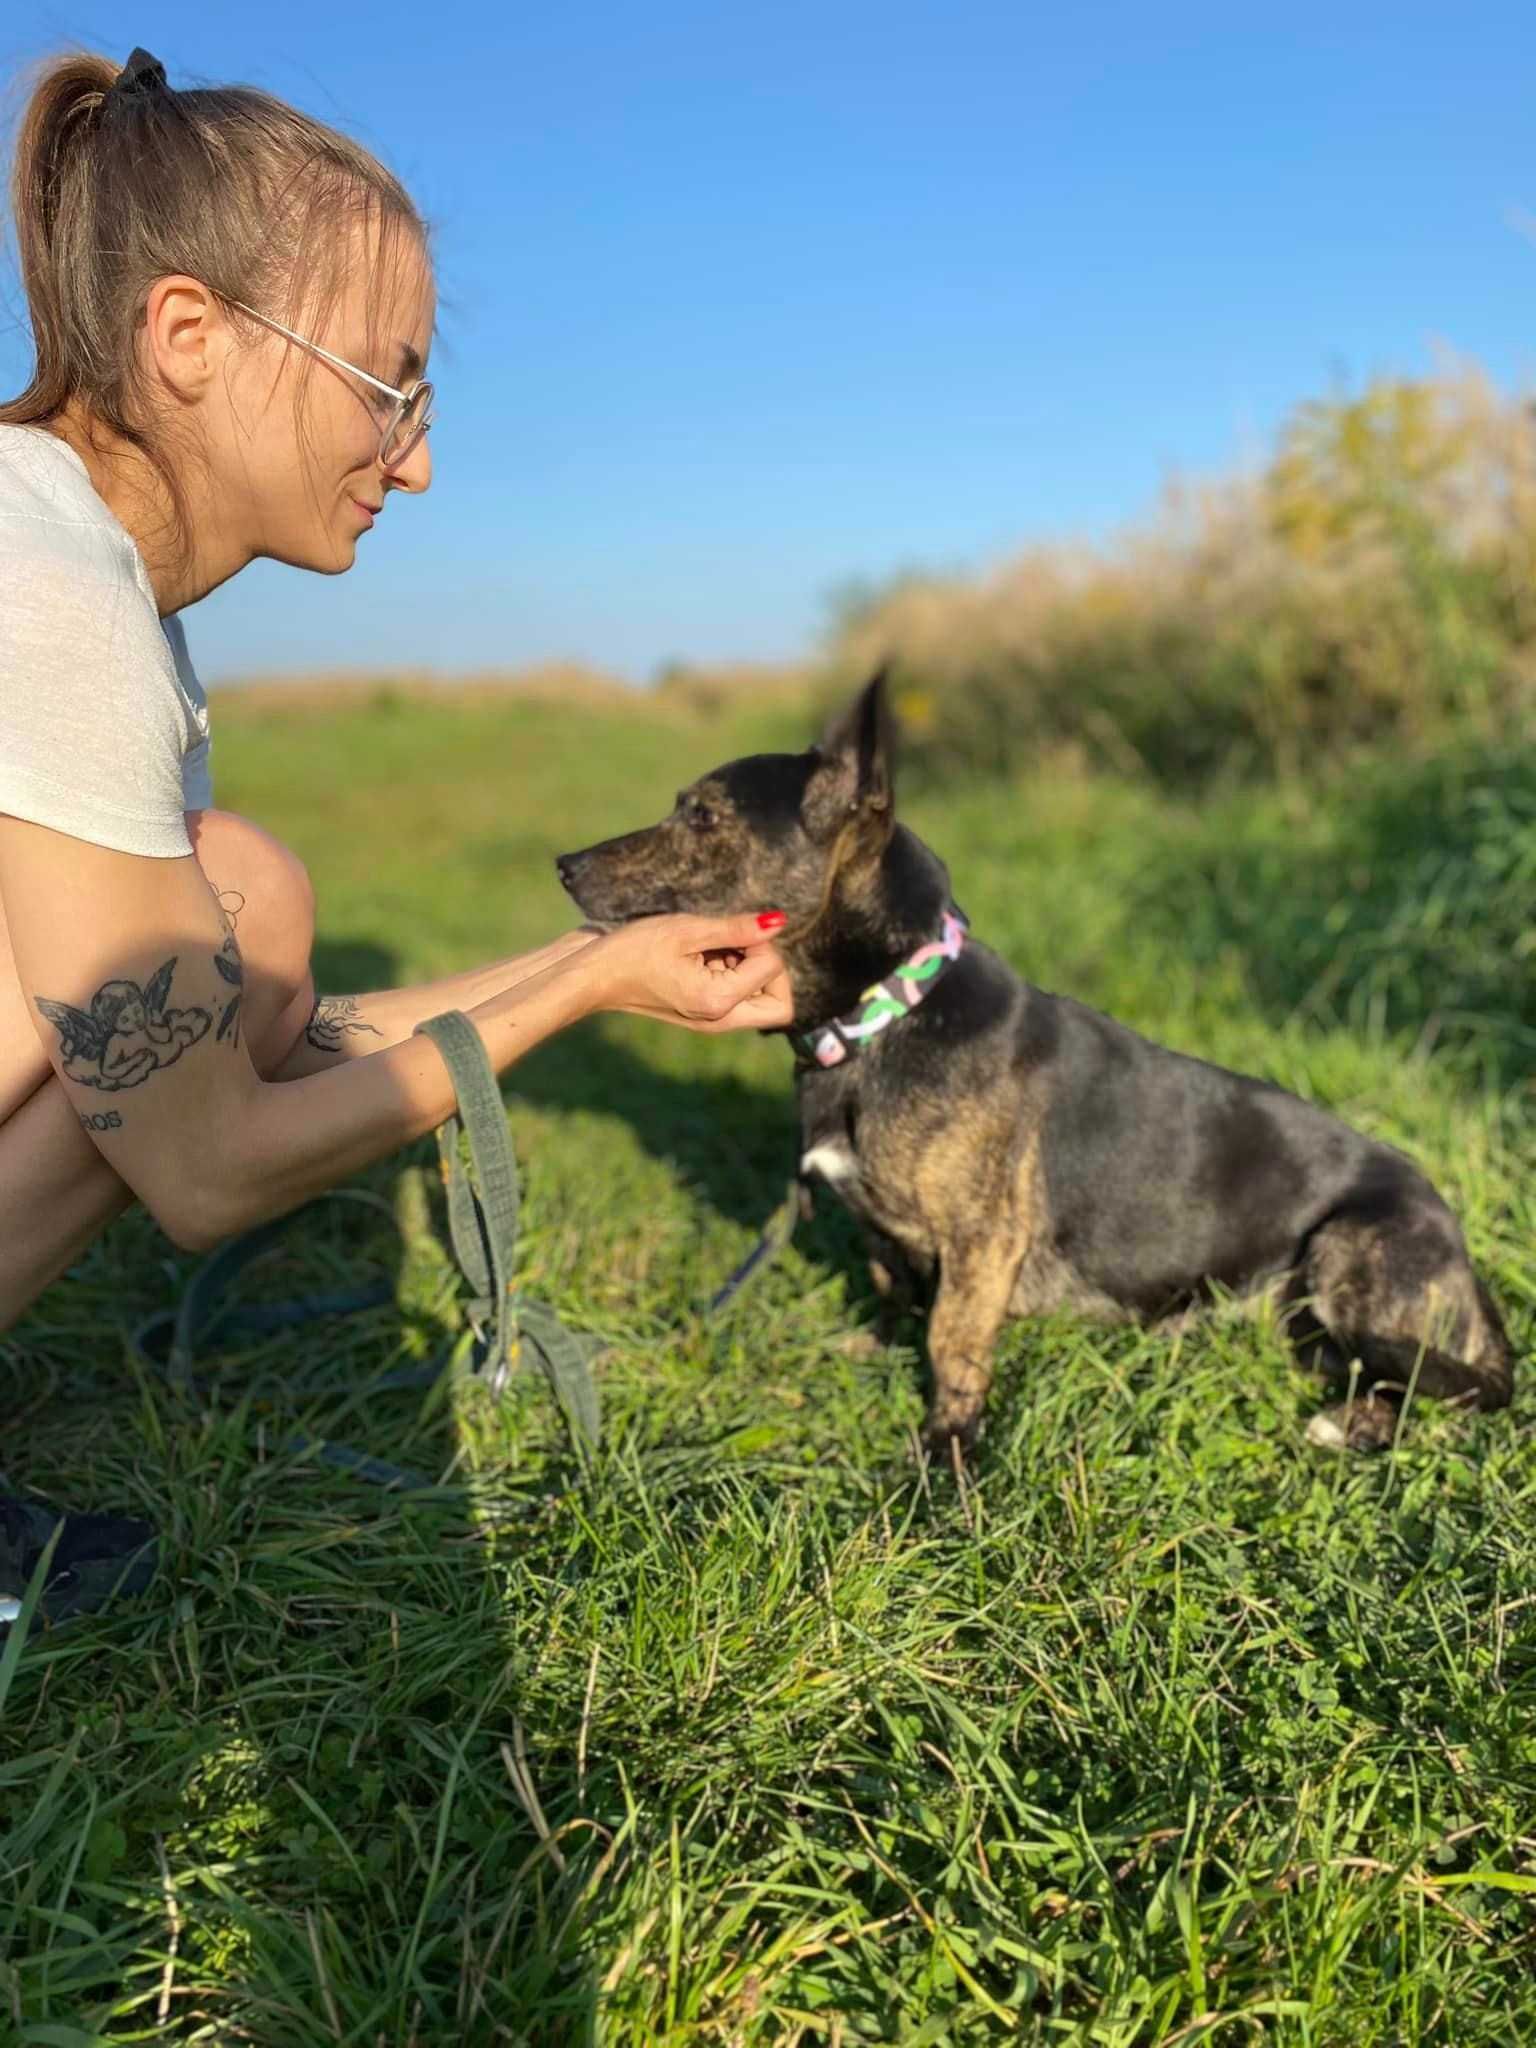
<point x="950" y="1439"/>
<point x="860" y="1345"/>
<point x="1366" y="1424"/>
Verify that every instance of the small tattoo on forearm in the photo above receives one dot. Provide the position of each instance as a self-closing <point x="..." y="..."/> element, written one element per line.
<point x="127" y="1033"/>
<point x="332" y="1018"/>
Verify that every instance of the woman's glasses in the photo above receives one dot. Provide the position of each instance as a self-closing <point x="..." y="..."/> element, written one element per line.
<point x="412" y="412"/>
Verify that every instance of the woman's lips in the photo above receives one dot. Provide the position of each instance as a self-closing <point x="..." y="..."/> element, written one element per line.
<point x="368" y="511"/>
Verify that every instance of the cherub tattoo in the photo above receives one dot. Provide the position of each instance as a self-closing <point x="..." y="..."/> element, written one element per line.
<point x="332" y="1018"/>
<point x="127" y="1033"/>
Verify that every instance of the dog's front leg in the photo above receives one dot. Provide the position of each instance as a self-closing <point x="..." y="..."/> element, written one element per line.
<point x="898" y="1293"/>
<point x="896" y="1281"/>
<point x="975" y="1286"/>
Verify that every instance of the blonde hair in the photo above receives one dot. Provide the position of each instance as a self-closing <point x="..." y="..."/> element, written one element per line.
<point x="114" y="189"/>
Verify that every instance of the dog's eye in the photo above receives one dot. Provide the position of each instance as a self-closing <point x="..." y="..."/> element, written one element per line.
<point x="699" y="817"/>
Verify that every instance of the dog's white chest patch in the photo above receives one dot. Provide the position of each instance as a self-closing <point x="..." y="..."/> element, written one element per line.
<point x="833" y="1162"/>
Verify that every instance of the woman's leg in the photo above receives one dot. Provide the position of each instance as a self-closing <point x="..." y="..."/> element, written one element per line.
<point x="56" y="1191"/>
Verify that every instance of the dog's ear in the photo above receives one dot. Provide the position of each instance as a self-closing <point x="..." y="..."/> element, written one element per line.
<point x="853" y="777"/>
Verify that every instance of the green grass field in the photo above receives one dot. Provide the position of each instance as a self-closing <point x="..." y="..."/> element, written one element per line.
<point x="1162" y="1729"/>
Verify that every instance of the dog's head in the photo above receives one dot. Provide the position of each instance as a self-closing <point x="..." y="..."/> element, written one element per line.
<point x="770" y="831"/>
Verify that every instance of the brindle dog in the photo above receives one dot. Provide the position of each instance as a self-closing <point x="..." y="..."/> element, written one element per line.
<point x="1031" y="1153"/>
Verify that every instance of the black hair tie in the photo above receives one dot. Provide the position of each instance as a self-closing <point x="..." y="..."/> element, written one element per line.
<point x="139" y="77"/>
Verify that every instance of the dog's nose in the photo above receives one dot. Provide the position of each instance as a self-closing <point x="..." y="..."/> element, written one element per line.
<point x="568" y="867"/>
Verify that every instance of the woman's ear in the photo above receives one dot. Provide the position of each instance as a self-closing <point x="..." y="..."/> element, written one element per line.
<point x="187" y="335"/>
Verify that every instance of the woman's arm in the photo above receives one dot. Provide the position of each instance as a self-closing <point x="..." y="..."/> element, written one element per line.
<point x="351" y="1027"/>
<point x="134" y="983"/>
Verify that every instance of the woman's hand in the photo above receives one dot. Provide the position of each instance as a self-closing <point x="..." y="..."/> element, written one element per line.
<point x="705" y="973"/>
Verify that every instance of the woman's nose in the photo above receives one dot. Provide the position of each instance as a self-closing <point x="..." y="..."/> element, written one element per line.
<point x="414" y="474"/>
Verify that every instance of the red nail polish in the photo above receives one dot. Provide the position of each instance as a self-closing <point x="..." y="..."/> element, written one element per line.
<point x="770" y="920"/>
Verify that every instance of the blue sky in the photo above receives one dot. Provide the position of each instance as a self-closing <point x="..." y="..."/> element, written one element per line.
<point x="743" y="301"/>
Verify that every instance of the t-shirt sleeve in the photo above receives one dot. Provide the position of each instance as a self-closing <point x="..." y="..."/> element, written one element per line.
<point x="197" y="762"/>
<point x="92" y="728"/>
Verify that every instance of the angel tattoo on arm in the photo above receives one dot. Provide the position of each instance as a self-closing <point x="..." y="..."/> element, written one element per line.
<point x="127" y="1033"/>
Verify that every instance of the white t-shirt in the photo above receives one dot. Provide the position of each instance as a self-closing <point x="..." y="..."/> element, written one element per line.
<point x="103" y="722"/>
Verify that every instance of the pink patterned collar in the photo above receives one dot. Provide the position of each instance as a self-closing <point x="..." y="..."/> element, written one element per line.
<point x="828" y="1045"/>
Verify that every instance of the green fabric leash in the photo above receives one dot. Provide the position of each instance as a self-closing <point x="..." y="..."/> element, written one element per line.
<point x="482" y="1220"/>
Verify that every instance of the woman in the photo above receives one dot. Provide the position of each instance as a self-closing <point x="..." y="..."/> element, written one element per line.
<point x="232" y="308"/>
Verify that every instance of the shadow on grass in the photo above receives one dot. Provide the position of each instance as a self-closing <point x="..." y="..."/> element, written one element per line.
<point x="1402" y="907"/>
<point x="351" y="966"/>
<point x="299" y="1725"/>
<point x="732" y="1142"/>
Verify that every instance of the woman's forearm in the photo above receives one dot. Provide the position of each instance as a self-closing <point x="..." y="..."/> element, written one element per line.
<point x="351" y="1027"/>
<point x="297" y="1139"/>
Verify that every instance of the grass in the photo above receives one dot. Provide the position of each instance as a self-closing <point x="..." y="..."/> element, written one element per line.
<point x="1161" y="1728"/>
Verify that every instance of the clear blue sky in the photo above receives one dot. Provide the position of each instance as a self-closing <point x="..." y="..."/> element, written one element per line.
<point x="743" y="300"/>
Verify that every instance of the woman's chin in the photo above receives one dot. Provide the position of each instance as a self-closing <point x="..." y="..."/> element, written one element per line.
<point x="334" y="558"/>
<point x="342" y="557"/>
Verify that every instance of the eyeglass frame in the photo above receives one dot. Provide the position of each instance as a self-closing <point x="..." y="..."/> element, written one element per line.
<point x="404" y="400"/>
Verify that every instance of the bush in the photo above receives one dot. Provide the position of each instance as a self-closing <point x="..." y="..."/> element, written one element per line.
<point x="1373" y="583"/>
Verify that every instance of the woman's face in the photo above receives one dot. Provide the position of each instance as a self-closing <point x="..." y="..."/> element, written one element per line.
<point x="296" y="443"/>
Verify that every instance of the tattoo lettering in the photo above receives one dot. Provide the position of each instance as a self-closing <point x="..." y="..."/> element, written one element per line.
<point x="104" y="1120"/>
<point x="333" y="1017"/>
<point x="127" y="1033"/>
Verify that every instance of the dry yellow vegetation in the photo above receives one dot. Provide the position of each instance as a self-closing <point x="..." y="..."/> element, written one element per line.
<point x="1373" y="580"/>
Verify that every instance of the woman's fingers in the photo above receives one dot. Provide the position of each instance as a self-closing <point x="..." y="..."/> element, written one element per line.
<point x="734" y="985"/>
<point x="772" y="1005"/>
<point x="754" y="994"/>
<point x="741" y="934"/>
<point x="770" y="1008"/>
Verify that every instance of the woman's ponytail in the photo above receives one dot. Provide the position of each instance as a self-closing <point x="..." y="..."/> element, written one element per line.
<point x="51" y="200"/>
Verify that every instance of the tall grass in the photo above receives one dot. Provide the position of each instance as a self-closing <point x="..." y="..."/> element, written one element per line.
<point x="1373" y="581"/>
